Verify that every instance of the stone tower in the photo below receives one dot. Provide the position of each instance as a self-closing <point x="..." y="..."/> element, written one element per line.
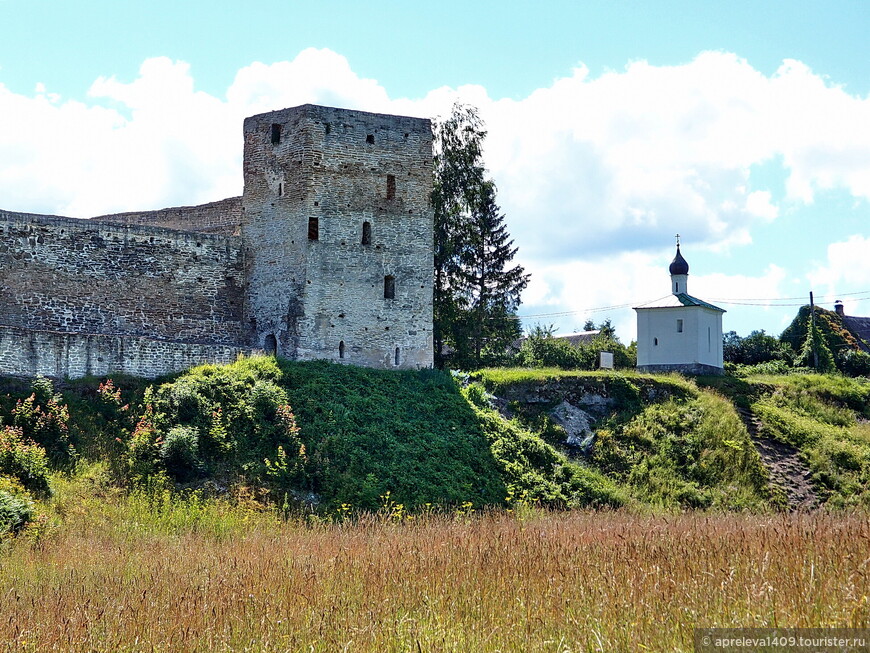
<point x="338" y="232"/>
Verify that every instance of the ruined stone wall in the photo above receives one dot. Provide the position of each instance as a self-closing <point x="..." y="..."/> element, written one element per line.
<point x="343" y="169"/>
<point x="80" y="276"/>
<point x="223" y="217"/>
<point x="25" y="352"/>
<point x="158" y="291"/>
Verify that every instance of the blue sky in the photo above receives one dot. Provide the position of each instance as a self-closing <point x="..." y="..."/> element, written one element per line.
<point x="744" y="126"/>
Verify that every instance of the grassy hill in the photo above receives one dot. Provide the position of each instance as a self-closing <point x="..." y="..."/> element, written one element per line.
<point x="329" y="438"/>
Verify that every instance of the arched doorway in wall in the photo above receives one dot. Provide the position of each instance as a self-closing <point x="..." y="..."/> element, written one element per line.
<point x="270" y="345"/>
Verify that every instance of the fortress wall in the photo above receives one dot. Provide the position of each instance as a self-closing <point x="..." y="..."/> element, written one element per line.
<point x="77" y="276"/>
<point x="27" y="353"/>
<point x="222" y="217"/>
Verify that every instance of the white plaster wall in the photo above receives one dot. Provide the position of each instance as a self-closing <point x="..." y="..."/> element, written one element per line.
<point x="674" y="348"/>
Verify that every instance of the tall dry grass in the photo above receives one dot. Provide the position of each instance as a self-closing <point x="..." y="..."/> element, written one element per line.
<point x="549" y="582"/>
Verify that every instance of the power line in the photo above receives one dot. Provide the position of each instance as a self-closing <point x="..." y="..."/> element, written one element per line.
<point x="746" y="301"/>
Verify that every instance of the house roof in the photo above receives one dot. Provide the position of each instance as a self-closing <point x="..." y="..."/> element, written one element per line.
<point x="676" y="301"/>
<point x="581" y="337"/>
<point x="860" y="328"/>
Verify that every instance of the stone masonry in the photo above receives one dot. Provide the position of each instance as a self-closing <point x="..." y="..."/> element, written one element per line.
<point x="327" y="255"/>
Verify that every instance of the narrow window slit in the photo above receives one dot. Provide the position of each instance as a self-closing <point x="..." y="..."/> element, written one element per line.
<point x="389" y="287"/>
<point x="391" y="187"/>
<point x="313" y="229"/>
<point x="367" y="233"/>
<point x="276" y="134"/>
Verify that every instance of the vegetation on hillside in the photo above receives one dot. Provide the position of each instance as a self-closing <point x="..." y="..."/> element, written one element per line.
<point x="323" y="438"/>
<point x="825" y="417"/>
<point x="664" y="442"/>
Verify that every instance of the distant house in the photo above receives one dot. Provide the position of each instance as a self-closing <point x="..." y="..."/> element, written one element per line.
<point x="857" y="326"/>
<point x="679" y="332"/>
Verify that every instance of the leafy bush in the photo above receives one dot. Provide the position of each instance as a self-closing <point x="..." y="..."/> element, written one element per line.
<point x="23" y="460"/>
<point x="15" y="512"/>
<point x="542" y="349"/>
<point x="44" y="418"/>
<point x="854" y="362"/>
<point x="757" y="347"/>
<point x="216" y="420"/>
<point x="179" y="452"/>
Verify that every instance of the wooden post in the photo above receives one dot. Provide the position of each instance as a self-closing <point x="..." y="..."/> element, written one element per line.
<point x="813" y="332"/>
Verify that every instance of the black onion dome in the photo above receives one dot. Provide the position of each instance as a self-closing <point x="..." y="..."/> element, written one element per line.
<point x="679" y="265"/>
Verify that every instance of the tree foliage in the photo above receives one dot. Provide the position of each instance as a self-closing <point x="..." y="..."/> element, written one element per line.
<point x="757" y="347"/>
<point x="476" y="289"/>
<point x="541" y="348"/>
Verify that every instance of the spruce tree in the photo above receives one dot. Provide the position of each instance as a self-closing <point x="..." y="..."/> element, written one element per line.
<point x="476" y="291"/>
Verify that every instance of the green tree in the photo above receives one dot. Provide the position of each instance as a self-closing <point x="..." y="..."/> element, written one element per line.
<point x="476" y="290"/>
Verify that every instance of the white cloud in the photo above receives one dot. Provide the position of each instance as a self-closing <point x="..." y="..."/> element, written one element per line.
<point x="590" y="171"/>
<point x="847" y="272"/>
<point x="598" y="289"/>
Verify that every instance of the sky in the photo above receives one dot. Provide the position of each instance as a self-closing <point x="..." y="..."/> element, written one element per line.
<point x="612" y="126"/>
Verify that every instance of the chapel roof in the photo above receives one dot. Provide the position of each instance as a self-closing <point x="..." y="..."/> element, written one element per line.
<point x="678" y="300"/>
<point x="679" y="265"/>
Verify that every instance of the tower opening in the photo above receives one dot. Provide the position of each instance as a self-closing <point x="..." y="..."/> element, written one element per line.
<point x="341" y="349"/>
<point x="276" y="134"/>
<point x="391" y="187"/>
<point x="313" y="229"/>
<point x="389" y="287"/>
<point x="397" y="359"/>
<point x="367" y="233"/>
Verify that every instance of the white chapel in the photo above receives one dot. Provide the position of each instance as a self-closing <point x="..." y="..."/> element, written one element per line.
<point x="679" y="332"/>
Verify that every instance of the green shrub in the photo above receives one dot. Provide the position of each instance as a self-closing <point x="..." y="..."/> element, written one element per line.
<point x="179" y="452"/>
<point x="541" y="349"/>
<point x="15" y="512"/>
<point x="221" y="421"/>
<point x="854" y="362"/>
<point x="44" y="418"/>
<point x="23" y="460"/>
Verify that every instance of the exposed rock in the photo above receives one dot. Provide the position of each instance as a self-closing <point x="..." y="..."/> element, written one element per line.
<point x="577" y="424"/>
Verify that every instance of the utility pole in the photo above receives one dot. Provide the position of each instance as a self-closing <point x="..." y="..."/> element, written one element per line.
<point x="813" y="332"/>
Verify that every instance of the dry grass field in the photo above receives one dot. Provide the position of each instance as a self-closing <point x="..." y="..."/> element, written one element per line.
<point x="202" y="577"/>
